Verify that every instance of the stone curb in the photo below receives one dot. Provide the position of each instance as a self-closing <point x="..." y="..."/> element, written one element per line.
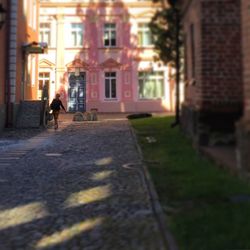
<point x="168" y="239"/>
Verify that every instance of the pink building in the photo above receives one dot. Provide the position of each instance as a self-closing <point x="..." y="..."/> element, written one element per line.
<point x="101" y="56"/>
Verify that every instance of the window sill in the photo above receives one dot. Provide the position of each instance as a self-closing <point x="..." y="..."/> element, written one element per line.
<point x="111" y="100"/>
<point x="150" y="99"/>
<point x="77" y="47"/>
<point x="146" y="46"/>
<point x="110" y="48"/>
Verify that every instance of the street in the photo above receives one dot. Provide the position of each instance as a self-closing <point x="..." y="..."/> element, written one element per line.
<point x="80" y="187"/>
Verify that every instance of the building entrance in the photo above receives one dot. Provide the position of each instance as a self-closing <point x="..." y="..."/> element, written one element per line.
<point x="77" y="92"/>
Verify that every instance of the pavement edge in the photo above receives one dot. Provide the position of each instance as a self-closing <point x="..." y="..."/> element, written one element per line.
<point x="169" y="241"/>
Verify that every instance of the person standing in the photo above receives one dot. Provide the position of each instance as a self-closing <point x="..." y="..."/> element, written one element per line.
<point x="55" y="106"/>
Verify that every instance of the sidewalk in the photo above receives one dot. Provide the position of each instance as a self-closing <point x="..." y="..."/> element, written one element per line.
<point x="80" y="187"/>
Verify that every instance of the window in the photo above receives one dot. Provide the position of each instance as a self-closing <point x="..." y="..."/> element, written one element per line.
<point x="151" y="85"/>
<point x="45" y="33"/>
<point x="109" y="35"/>
<point x="44" y="78"/>
<point x="145" y="37"/>
<point x="76" y="35"/>
<point x="110" y="85"/>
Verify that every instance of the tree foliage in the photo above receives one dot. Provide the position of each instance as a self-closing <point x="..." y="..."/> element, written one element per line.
<point x="163" y="27"/>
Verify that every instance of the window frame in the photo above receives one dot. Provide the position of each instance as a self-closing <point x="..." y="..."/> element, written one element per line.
<point x="109" y="30"/>
<point x="110" y="80"/>
<point x="158" y="77"/>
<point x="43" y="79"/>
<point x="79" y="32"/>
<point x="43" y="31"/>
<point x="143" y="29"/>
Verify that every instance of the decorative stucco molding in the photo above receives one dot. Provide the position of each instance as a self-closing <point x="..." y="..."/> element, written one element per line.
<point x="110" y="63"/>
<point x="46" y="64"/>
<point x="78" y="63"/>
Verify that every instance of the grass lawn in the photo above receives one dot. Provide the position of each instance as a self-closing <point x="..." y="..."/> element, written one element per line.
<point x="207" y="208"/>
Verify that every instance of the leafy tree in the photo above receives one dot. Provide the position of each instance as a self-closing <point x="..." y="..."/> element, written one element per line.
<point x="164" y="27"/>
<point x="166" y="30"/>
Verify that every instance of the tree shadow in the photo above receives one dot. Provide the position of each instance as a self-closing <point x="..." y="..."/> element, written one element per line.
<point x="71" y="193"/>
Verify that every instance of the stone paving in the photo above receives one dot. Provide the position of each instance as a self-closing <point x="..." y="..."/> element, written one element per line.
<point x="81" y="187"/>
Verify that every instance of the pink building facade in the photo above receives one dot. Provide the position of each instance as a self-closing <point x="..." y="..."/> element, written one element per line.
<point x="101" y="56"/>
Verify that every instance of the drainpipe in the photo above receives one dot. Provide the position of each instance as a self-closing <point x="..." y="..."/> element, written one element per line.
<point x="12" y="54"/>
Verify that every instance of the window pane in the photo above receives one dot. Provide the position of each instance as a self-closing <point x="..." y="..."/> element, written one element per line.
<point x="45" y="32"/>
<point x="113" y="87"/>
<point x="144" y="35"/>
<point x="76" y="37"/>
<point x="141" y="89"/>
<point x="109" y="34"/>
<point x="113" y="42"/>
<point x="80" y="38"/>
<point x="151" y="85"/>
<point x="140" y="40"/>
<point x="147" y="38"/>
<point x="107" y="88"/>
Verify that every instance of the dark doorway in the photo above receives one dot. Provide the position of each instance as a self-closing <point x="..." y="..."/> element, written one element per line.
<point x="77" y="92"/>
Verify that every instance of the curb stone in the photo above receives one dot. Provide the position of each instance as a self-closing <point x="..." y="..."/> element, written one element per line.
<point x="169" y="241"/>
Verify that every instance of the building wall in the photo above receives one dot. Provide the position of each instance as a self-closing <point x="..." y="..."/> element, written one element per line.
<point x="214" y="89"/>
<point x="3" y="34"/>
<point x="126" y="58"/>
<point x="192" y="48"/>
<point x="27" y="66"/>
<point x="221" y="55"/>
<point x="246" y="57"/>
<point x="22" y="28"/>
<point x="243" y="127"/>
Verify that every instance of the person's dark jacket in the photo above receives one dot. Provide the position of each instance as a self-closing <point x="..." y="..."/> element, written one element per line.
<point x="56" y="105"/>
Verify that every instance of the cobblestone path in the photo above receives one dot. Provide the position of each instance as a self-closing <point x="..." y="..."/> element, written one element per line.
<point x="81" y="187"/>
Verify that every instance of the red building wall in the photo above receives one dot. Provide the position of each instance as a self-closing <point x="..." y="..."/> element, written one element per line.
<point x="214" y="88"/>
<point x="243" y="127"/>
<point x="246" y="56"/>
<point x="221" y="56"/>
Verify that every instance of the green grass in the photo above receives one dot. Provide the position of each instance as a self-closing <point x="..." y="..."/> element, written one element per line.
<point x="194" y="193"/>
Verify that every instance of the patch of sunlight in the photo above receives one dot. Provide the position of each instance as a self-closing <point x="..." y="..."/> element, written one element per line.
<point x="101" y="175"/>
<point x="68" y="233"/>
<point x="104" y="161"/>
<point x="88" y="196"/>
<point x="22" y="214"/>
<point x="151" y="139"/>
<point x="53" y="154"/>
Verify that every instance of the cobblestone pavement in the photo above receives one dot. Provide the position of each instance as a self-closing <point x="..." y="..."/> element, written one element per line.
<point x="81" y="187"/>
